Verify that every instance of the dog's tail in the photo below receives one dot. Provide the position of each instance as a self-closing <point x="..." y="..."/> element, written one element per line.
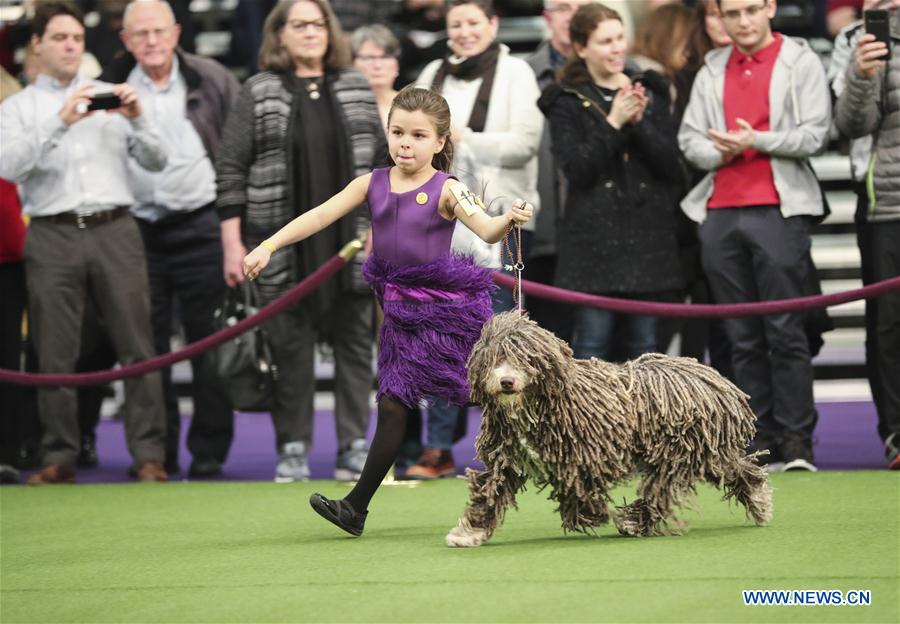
<point x="749" y="486"/>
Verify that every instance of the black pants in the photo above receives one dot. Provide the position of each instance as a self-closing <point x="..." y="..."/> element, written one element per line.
<point x="755" y="254"/>
<point x="292" y="335"/>
<point x="879" y="248"/>
<point x="698" y="335"/>
<point x="12" y="397"/>
<point x="184" y="263"/>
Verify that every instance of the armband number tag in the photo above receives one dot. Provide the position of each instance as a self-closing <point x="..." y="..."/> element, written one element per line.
<point x="468" y="201"/>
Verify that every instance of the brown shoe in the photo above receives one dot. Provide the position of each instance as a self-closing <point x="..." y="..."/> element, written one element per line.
<point x="433" y="464"/>
<point x="52" y="474"/>
<point x="151" y="472"/>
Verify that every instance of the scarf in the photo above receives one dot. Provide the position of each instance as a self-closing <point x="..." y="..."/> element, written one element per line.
<point x="482" y="66"/>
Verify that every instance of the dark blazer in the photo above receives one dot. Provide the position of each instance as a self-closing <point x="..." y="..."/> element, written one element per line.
<point x="618" y="234"/>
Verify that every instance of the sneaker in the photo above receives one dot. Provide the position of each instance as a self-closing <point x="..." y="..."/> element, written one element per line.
<point x="351" y="460"/>
<point x="766" y="442"/>
<point x="433" y="464"/>
<point x="340" y="513"/>
<point x="892" y="451"/>
<point x="796" y="451"/>
<point x="292" y="463"/>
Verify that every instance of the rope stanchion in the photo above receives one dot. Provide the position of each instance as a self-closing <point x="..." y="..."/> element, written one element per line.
<point x="697" y="310"/>
<point x="194" y="349"/>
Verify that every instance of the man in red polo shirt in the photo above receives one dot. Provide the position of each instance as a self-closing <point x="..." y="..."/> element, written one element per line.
<point x="758" y="110"/>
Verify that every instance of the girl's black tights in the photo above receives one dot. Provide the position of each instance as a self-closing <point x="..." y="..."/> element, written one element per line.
<point x="389" y="434"/>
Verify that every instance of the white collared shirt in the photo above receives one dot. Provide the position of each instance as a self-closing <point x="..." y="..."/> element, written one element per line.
<point x="78" y="168"/>
<point x="189" y="180"/>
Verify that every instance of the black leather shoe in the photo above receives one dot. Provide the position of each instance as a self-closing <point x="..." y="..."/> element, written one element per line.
<point x="87" y="454"/>
<point x="204" y="468"/>
<point x="340" y="513"/>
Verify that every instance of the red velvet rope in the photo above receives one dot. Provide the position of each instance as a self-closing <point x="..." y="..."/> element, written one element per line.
<point x="333" y="265"/>
<point x="296" y="293"/>
<point x="700" y="310"/>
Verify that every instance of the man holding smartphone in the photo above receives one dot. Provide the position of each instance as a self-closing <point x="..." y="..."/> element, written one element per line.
<point x="71" y="167"/>
<point x="870" y="104"/>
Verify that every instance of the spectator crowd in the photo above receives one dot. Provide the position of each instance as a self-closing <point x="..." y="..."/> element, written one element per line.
<point x="665" y="145"/>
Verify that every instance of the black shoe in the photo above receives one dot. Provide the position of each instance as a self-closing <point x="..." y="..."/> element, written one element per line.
<point x="87" y="454"/>
<point x="204" y="468"/>
<point x="766" y="442"/>
<point x="796" y="451"/>
<point x="8" y="474"/>
<point x="29" y="458"/>
<point x="340" y="513"/>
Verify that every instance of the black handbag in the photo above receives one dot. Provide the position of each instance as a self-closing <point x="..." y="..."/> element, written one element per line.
<point x="244" y="364"/>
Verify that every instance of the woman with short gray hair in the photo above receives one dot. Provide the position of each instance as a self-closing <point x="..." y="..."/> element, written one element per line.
<point x="376" y="54"/>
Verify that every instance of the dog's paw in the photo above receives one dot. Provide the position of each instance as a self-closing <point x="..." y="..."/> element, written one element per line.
<point x="466" y="537"/>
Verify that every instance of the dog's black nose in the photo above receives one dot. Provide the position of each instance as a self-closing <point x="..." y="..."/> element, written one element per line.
<point x="507" y="384"/>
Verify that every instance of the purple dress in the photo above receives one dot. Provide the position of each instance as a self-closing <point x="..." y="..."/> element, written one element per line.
<point x="434" y="302"/>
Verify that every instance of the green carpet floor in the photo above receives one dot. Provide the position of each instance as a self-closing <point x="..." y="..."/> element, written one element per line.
<point x="255" y="552"/>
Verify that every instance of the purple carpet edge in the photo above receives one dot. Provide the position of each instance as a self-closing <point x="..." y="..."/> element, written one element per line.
<point x="845" y="439"/>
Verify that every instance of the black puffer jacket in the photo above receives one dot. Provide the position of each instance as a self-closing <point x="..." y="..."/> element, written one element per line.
<point x="618" y="234"/>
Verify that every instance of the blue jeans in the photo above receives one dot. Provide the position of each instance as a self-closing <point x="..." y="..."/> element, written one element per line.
<point x="442" y="419"/>
<point x="594" y="334"/>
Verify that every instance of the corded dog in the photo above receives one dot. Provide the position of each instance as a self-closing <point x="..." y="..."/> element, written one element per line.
<point x="581" y="427"/>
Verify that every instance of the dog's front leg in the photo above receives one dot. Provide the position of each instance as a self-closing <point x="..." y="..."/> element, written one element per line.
<point x="491" y="492"/>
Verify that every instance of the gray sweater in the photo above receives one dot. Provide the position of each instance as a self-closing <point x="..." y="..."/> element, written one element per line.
<point x="800" y="116"/>
<point x="872" y="106"/>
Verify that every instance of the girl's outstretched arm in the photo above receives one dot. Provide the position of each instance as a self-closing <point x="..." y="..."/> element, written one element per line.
<point x="468" y="208"/>
<point x="307" y="224"/>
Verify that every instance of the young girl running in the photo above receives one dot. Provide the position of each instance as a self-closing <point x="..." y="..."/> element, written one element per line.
<point x="435" y="303"/>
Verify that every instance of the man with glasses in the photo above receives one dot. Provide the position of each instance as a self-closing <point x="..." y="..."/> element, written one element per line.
<point x="758" y="110"/>
<point x="188" y="98"/>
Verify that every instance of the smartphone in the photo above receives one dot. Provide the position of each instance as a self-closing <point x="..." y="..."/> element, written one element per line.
<point x="104" y="101"/>
<point x="878" y="23"/>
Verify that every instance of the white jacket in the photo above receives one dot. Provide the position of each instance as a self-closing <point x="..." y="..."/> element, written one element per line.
<point x="501" y="162"/>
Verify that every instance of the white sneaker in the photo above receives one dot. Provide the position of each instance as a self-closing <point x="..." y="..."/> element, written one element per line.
<point x="350" y="462"/>
<point x="293" y="464"/>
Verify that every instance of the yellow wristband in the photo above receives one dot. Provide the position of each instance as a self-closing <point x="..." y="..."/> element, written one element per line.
<point x="269" y="245"/>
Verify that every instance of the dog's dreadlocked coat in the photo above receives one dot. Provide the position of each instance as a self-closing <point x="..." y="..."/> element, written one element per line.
<point x="580" y="427"/>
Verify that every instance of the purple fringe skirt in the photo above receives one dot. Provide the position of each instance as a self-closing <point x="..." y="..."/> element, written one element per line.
<point x="433" y="315"/>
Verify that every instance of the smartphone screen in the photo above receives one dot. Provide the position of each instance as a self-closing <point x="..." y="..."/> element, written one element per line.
<point x="878" y="23"/>
<point x="104" y="101"/>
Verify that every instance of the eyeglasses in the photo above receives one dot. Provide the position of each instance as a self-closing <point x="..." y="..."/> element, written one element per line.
<point x="143" y="35"/>
<point x="734" y="15"/>
<point x="372" y="58"/>
<point x="301" y="25"/>
<point x="562" y="9"/>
